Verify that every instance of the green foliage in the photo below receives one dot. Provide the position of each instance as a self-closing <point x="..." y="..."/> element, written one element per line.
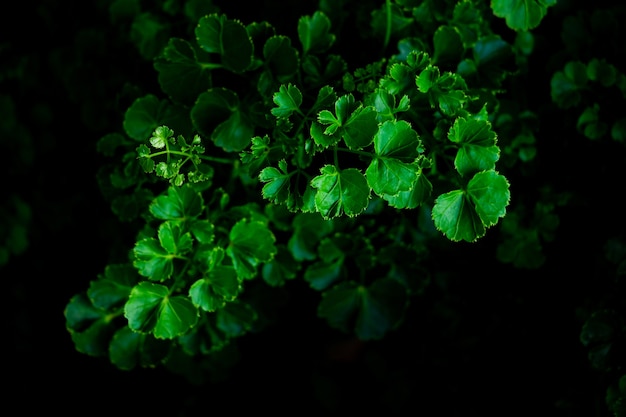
<point x="265" y="160"/>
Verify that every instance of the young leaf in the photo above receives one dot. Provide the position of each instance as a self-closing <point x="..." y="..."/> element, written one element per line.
<point x="288" y="99"/>
<point x="386" y="106"/>
<point x="355" y="123"/>
<point x="251" y="243"/>
<point x="277" y="187"/>
<point x="314" y="33"/>
<point x="151" y="309"/>
<point x="340" y="192"/>
<point x="228" y="38"/>
<point x="477" y="145"/>
<point x="396" y="146"/>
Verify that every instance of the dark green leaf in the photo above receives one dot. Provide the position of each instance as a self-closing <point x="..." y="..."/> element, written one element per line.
<point x="180" y="204"/>
<point x="314" y="33"/>
<point x="228" y="38"/>
<point x="114" y="287"/>
<point x="236" y="318"/>
<point x="251" y="243"/>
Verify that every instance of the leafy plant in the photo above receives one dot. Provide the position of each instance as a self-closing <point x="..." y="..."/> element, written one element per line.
<point x="261" y="159"/>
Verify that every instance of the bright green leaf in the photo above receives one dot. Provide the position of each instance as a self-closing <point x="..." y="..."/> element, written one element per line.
<point x="396" y="146"/>
<point x="151" y="309"/>
<point x="219" y="286"/>
<point x="288" y="99"/>
<point x="152" y="261"/>
<point x="477" y="145"/>
<point x="340" y="192"/>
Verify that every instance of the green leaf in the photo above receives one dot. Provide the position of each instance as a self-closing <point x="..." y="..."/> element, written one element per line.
<point x="464" y="214"/>
<point x="280" y="57"/>
<point x="129" y="349"/>
<point x="489" y="192"/>
<point x="280" y="269"/>
<point x="419" y="192"/>
<point x="314" y="33"/>
<point x="151" y="309"/>
<point x="521" y="14"/>
<point x="565" y="91"/>
<point x="309" y="229"/>
<point x="113" y="288"/>
<point x="251" y="243"/>
<point x="180" y="75"/>
<point x="602" y="72"/>
<point x="340" y="192"/>
<point x="229" y="38"/>
<point x="219" y="286"/>
<point x="236" y="318"/>
<point x="355" y="123"/>
<point x="589" y="123"/>
<point x="89" y="327"/>
<point x="370" y="312"/>
<point x="448" y="45"/>
<point x="180" y="204"/>
<point x="152" y="261"/>
<point x="277" y="187"/>
<point x="146" y="114"/>
<point x="386" y="106"/>
<point x="396" y="147"/>
<point x="477" y="145"/>
<point x="173" y="240"/>
<point x="323" y="274"/>
<point x="218" y="114"/>
<point x="288" y="99"/>
<point x="359" y="130"/>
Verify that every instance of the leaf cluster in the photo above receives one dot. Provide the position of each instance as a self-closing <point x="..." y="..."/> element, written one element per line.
<point x="265" y="158"/>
